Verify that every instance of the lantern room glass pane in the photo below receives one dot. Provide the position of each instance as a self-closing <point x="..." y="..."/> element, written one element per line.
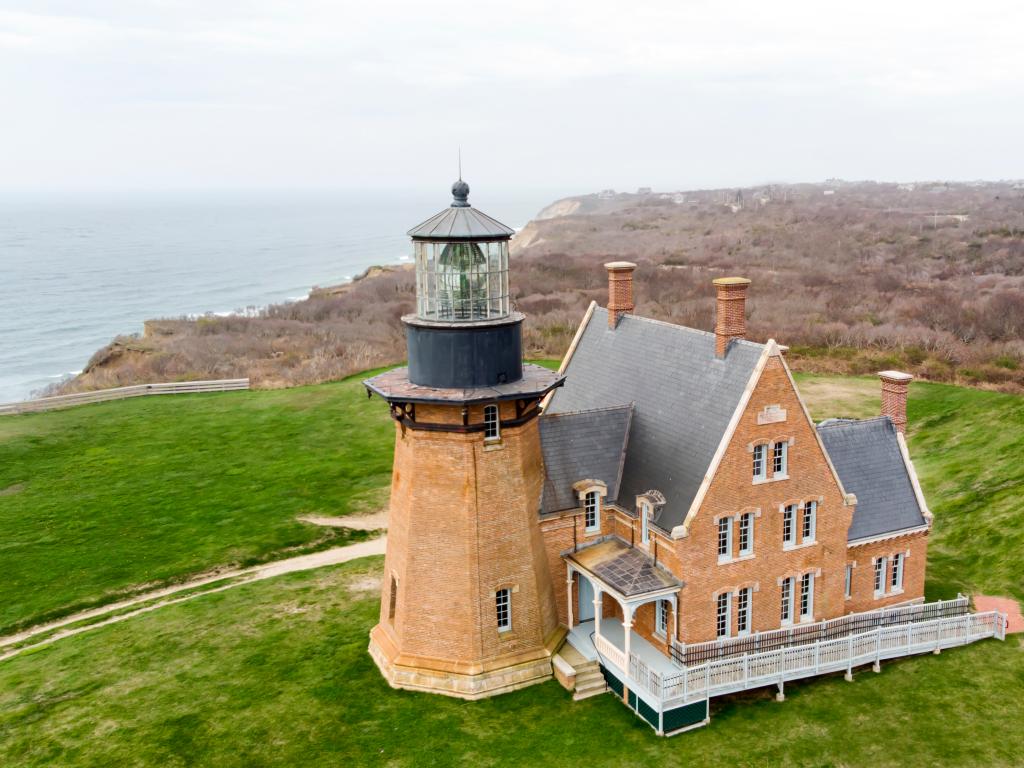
<point x="461" y="281"/>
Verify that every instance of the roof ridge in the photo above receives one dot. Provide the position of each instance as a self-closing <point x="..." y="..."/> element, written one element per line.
<point x="624" y="406"/>
<point x="842" y="421"/>
<point x="677" y="326"/>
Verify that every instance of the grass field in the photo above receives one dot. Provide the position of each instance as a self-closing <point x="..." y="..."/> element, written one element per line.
<point x="101" y="499"/>
<point x="98" y="499"/>
<point x="277" y="674"/>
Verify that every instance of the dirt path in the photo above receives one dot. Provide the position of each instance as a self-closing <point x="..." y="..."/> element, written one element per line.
<point x="236" y="578"/>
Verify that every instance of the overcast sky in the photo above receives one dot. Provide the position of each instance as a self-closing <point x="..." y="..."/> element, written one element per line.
<point x="570" y="96"/>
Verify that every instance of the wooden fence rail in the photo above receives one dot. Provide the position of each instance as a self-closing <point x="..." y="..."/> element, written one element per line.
<point x="121" y="393"/>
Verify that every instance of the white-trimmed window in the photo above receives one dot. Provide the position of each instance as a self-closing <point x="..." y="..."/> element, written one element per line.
<point x="724" y="539"/>
<point x="848" y="589"/>
<point x="879" y="576"/>
<point x="492" y="424"/>
<point x="780" y="459"/>
<point x="743" y="598"/>
<point x="760" y="462"/>
<point x="806" y="596"/>
<point x="645" y="523"/>
<point x="896" y="580"/>
<point x="722" y="610"/>
<point x="747" y="533"/>
<point x="787" y="600"/>
<point x="789" y="525"/>
<point x="661" y="618"/>
<point x="592" y="511"/>
<point x="809" y="522"/>
<point x="503" y="605"/>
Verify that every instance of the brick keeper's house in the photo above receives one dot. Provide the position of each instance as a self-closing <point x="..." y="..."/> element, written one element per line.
<point x="660" y="518"/>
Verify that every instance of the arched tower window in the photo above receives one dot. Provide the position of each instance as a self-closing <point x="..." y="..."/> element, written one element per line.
<point x="492" y="424"/>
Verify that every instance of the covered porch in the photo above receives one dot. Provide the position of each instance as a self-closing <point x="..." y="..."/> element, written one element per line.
<point x="634" y="667"/>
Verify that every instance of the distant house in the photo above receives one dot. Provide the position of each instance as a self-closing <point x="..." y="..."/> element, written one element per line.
<point x="829" y="192"/>
<point x="606" y="194"/>
<point x="643" y="190"/>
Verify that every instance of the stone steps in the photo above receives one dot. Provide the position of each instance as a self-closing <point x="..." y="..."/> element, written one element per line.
<point x="589" y="681"/>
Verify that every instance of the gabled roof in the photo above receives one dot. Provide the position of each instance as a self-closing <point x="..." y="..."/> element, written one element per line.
<point x="582" y="445"/>
<point x="461" y="223"/>
<point x="683" y="400"/>
<point x="871" y="465"/>
<point x="624" y="568"/>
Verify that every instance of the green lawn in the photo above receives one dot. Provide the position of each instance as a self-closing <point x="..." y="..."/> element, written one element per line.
<point x="98" y="499"/>
<point x="104" y="498"/>
<point x="276" y="673"/>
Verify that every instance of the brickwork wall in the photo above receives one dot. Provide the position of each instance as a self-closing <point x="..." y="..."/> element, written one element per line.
<point x="620" y="290"/>
<point x="463" y="524"/>
<point x="733" y="492"/>
<point x="730" y="312"/>
<point x="915" y="550"/>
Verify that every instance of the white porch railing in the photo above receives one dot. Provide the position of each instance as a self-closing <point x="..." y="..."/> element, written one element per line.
<point x="756" y="670"/>
<point x="695" y="654"/>
<point x="609" y="651"/>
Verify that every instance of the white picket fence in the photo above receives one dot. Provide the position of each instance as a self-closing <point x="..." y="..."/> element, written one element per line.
<point x="756" y="670"/>
<point x="121" y="393"/>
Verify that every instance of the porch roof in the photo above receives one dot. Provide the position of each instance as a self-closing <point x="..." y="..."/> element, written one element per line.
<point x="624" y="568"/>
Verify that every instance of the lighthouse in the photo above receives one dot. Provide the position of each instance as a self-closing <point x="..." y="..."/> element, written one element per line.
<point x="467" y="605"/>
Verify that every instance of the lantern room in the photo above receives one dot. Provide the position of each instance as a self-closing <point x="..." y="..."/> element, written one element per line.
<point x="461" y="263"/>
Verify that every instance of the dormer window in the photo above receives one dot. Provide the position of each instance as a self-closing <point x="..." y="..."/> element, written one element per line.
<point x="492" y="424"/>
<point x="592" y="511"/>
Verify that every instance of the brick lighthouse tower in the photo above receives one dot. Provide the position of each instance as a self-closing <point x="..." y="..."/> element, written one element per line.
<point x="467" y="605"/>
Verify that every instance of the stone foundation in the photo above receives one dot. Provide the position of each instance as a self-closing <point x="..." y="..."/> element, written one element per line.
<point x="478" y="685"/>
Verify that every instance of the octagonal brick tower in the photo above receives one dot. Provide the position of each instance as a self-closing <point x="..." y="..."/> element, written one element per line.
<point x="467" y="606"/>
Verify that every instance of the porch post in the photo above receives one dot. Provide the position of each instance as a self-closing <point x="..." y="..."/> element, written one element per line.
<point x="568" y="591"/>
<point x="627" y="626"/>
<point x="675" y="619"/>
<point x="597" y="610"/>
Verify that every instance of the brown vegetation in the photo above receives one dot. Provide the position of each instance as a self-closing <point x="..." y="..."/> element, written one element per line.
<point x="929" y="278"/>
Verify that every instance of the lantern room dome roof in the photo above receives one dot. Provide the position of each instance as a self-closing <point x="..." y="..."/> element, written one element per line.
<point x="461" y="221"/>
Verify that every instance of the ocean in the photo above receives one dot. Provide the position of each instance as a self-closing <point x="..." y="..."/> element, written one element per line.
<point x="77" y="271"/>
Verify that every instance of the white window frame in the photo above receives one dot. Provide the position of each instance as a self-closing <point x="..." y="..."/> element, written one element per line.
<point x="746" y="534"/>
<point x="661" y="618"/>
<point x="808" y="522"/>
<point x="880" y="574"/>
<point x="896" y="579"/>
<point x="725" y="524"/>
<point x="723" y="610"/>
<point x="848" y="586"/>
<point x="807" y="597"/>
<point x="591" y="511"/>
<point x="503" y="609"/>
<point x="780" y="463"/>
<point x="789" y="521"/>
<point x="645" y="523"/>
<point x="788" y="587"/>
<point x="492" y="423"/>
<point x="744" y="609"/>
<point x="759" y="463"/>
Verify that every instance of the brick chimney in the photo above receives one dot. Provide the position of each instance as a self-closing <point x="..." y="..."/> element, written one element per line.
<point x="730" y="312"/>
<point x="620" y="290"/>
<point x="894" y="397"/>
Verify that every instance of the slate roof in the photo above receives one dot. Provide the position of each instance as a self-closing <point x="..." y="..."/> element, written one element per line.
<point x="870" y="464"/>
<point x="461" y="224"/>
<point x="683" y="399"/>
<point x="582" y="445"/>
<point x="624" y="568"/>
